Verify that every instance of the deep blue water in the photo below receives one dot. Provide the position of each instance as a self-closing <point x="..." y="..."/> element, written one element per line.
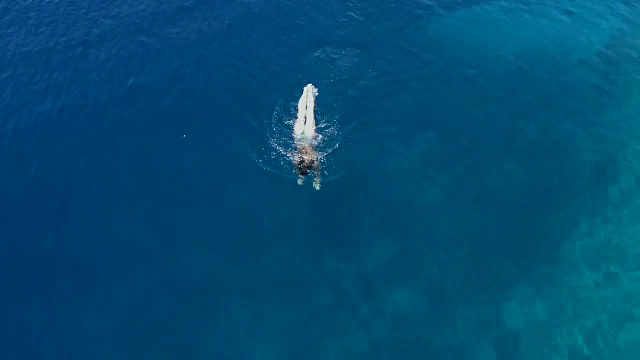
<point x="474" y="140"/>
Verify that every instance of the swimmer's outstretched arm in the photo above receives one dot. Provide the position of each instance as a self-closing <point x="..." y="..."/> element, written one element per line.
<point x="310" y="123"/>
<point x="298" y="127"/>
<point x="316" y="170"/>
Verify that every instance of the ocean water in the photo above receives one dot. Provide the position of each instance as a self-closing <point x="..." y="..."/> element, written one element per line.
<point x="479" y="194"/>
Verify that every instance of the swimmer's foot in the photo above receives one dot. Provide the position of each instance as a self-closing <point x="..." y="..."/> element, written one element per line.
<point x="316" y="184"/>
<point x="300" y="180"/>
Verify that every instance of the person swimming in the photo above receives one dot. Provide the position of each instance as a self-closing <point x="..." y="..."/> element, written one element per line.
<point x="304" y="133"/>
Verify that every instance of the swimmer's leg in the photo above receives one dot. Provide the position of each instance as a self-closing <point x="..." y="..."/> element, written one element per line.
<point x="298" y="127"/>
<point x="310" y="124"/>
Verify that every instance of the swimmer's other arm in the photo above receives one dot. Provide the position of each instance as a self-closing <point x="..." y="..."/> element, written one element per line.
<point x="316" y="170"/>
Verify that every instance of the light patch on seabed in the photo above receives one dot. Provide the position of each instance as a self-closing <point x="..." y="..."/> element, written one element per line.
<point x="568" y="30"/>
<point x="278" y="154"/>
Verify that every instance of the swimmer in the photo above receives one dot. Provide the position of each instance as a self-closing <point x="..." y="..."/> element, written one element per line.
<point x="304" y="133"/>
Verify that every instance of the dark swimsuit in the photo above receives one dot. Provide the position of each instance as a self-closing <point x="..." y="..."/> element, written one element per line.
<point x="303" y="168"/>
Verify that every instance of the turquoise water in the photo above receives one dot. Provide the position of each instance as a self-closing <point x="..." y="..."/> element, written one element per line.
<point x="478" y="199"/>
